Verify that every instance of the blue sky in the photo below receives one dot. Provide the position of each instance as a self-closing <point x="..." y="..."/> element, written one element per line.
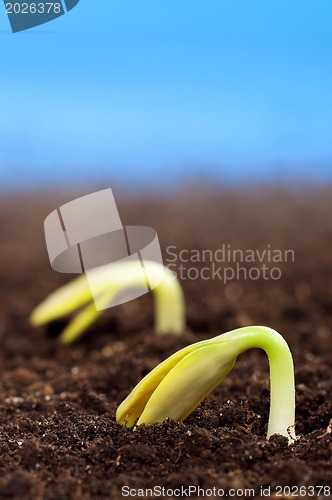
<point x="138" y="91"/>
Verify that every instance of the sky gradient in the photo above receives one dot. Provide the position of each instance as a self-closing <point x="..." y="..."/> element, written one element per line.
<point x="146" y="91"/>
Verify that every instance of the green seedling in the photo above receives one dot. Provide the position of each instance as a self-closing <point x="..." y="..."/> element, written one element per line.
<point x="110" y="281"/>
<point x="179" y="384"/>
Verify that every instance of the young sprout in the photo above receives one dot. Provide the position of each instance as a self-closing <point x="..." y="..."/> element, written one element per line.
<point x="179" y="384"/>
<point x="109" y="282"/>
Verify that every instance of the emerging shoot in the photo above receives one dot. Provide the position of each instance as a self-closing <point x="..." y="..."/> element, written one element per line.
<point x="109" y="282"/>
<point x="179" y="384"/>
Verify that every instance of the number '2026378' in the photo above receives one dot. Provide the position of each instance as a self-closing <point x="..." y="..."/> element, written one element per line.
<point x="33" y="8"/>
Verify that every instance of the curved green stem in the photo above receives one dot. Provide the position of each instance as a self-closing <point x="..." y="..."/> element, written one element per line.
<point x="282" y="384"/>
<point x="169" y="305"/>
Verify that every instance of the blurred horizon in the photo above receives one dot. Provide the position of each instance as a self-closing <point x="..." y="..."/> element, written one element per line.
<point x="143" y="94"/>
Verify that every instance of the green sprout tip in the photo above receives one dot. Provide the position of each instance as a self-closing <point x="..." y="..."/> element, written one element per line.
<point x="109" y="282"/>
<point x="178" y="385"/>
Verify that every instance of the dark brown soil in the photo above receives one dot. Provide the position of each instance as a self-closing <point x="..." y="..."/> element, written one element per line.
<point x="59" y="438"/>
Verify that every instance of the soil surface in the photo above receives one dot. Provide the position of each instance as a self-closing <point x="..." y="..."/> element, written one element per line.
<point x="59" y="438"/>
